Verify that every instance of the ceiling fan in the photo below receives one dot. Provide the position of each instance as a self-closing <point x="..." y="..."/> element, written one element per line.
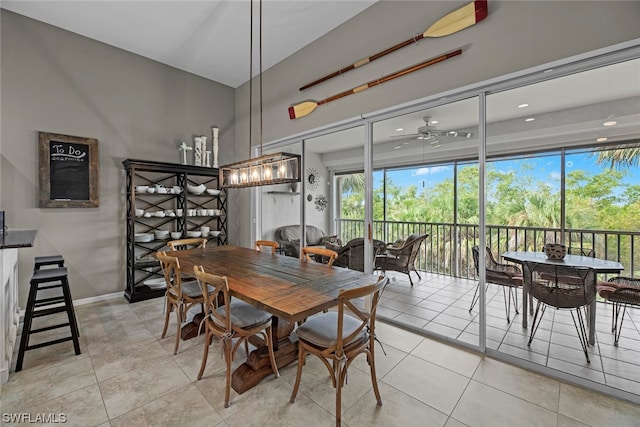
<point x="430" y="133"/>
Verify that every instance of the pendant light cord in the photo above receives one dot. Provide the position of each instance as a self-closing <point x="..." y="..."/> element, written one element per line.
<point x="260" y="49"/>
<point x="250" y="74"/>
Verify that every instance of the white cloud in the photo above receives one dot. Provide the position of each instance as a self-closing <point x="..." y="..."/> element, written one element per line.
<point x="430" y="171"/>
<point x="555" y="176"/>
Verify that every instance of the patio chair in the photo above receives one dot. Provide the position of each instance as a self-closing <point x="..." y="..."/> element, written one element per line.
<point x="505" y="275"/>
<point x="620" y="291"/>
<point x="402" y="258"/>
<point x="338" y="337"/>
<point x="570" y="288"/>
<point x="351" y="255"/>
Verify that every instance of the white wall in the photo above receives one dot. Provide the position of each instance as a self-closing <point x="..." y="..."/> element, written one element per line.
<point x="56" y="81"/>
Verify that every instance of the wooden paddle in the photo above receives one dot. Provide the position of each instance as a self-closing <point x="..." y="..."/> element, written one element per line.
<point x="455" y="21"/>
<point x="307" y="107"/>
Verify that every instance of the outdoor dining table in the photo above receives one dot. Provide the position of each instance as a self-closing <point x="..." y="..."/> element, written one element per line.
<point x="599" y="265"/>
<point x="287" y="287"/>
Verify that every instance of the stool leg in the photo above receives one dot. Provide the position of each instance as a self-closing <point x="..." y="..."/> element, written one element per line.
<point x="26" y="325"/>
<point x="73" y="325"/>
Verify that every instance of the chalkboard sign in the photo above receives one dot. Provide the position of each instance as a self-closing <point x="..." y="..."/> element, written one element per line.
<point x="68" y="171"/>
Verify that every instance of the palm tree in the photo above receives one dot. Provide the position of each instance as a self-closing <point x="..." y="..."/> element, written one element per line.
<point x="620" y="156"/>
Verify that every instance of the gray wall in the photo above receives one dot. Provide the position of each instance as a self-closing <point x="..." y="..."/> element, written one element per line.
<point x="56" y="81"/>
<point x="516" y="35"/>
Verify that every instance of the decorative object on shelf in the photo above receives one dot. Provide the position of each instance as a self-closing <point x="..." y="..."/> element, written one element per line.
<point x="214" y="140"/>
<point x="184" y="148"/>
<point x="321" y="202"/>
<point x="277" y="168"/>
<point x="305" y="108"/>
<point x="451" y="23"/>
<point x="294" y="187"/>
<point x="197" y="151"/>
<point x="555" y="250"/>
<point x="313" y="179"/>
<point x="207" y="159"/>
<point x="68" y="171"/>
<point x="309" y="197"/>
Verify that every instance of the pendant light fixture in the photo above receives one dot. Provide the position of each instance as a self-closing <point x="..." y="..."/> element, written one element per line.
<point x="277" y="168"/>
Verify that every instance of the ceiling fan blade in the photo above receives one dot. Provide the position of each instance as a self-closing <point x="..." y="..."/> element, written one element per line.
<point x="406" y="135"/>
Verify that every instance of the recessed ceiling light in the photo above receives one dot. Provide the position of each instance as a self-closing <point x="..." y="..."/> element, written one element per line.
<point x="399" y="129"/>
<point x="610" y="123"/>
<point x="433" y="122"/>
<point x="602" y="139"/>
<point x="397" y="146"/>
<point x="530" y="119"/>
<point x="523" y="105"/>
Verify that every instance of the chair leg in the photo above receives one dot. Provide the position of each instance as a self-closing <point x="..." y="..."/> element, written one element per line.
<point x="476" y="296"/>
<point x="272" y="356"/>
<point x="618" y="327"/>
<point x="534" y="325"/>
<point x="207" y="342"/>
<point x="582" y="331"/>
<point x="228" y="358"/>
<point x="341" y="374"/>
<point x="515" y="295"/>
<point x="507" y="306"/>
<point x="298" y="374"/>
<point x="374" y="378"/>
<point x="179" y="321"/>
<point x="169" y="308"/>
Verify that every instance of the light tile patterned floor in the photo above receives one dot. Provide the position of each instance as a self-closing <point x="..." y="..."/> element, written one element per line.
<point x="127" y="376"/>
<point x="440" y="304"/>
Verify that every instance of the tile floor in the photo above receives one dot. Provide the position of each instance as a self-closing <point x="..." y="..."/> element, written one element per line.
<point x="127" y="376"/>
<point x="440" y="304"/>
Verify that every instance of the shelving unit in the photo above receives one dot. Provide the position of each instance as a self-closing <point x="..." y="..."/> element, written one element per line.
<point x="183" y="211"/>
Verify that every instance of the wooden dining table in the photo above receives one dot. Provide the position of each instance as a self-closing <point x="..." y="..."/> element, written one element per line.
<point x="287" y="287"/>
<point x="599" y="265"/>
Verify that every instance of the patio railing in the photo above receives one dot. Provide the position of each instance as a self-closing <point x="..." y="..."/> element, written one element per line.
<point x="448" y="249"/>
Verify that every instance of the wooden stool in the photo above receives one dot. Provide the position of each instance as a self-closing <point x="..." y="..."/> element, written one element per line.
<point x="41" y="261"/>
<point x="49" y="278"/>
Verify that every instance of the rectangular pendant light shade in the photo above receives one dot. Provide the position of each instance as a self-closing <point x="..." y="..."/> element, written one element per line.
<point x="277" y="168"/>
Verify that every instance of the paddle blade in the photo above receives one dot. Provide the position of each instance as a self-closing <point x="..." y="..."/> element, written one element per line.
<point x="458" y="20"/>
<point x="302" y="109"/>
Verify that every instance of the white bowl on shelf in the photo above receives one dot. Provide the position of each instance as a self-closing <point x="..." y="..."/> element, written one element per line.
<point x="176" y="235"/>
<point x="213" y="192"/>
<point x="143" y="237"/>
<point x="151" y="190"/>
<point x="196" y="189"/>
<point x="139" y="212"/>
<point x="141" y="188"/>
<point x="194" y="233"/>
<point x="214" y="233"/>
<point x="161" y="234"/>
<point x="159" y="214"/>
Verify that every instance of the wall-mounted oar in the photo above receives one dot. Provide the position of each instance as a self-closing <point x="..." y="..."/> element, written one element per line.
<point x="307" y="107"/>
<point x="455" y="21"/>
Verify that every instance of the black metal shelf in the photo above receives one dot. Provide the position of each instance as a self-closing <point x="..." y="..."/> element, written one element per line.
<point x="141" y="172"/>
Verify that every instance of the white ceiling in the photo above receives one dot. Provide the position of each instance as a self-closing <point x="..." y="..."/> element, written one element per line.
<point x="209" y="38"/>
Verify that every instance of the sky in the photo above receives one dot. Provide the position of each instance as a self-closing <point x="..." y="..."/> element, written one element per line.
<point x="548" y="168"/>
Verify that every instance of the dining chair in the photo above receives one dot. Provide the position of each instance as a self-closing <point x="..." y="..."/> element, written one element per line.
<point x="184" y="244"/>
<point x="562" y="287"/>
<point x="621" y="292"/>
<point x="506" y="275"/>
<point x="181" y="294"/>
<point x="229" y="318"/>
<point x="337" y="337"/>
<point x="318" y="254"/>
<point x="262" y="245"/>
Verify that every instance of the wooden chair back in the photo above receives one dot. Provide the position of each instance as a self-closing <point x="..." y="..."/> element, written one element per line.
<point x="264" y="244"/>
<point x="171" y="270"/>
<point x="309" y="251"/>
<point x="217" y="298"/>
<point x="184" y="244"/>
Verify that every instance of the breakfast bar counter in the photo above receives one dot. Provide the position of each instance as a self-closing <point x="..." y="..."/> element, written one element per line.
<point x="10" y="242"/>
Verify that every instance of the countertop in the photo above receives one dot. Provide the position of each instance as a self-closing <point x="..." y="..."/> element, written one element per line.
<point x="17" y="239"/>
